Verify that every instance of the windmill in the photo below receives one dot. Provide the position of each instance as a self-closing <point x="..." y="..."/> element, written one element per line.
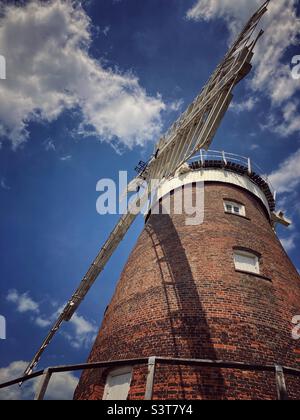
<point x="193" y="131"/>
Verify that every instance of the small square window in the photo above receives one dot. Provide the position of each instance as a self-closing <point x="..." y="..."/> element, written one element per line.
<point x="246" y="261"/>
<point x="234" y="208"/>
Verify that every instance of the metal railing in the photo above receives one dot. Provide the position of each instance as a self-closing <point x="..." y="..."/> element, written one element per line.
<point x="279" y="372"/>
<point x="225" y="158"/>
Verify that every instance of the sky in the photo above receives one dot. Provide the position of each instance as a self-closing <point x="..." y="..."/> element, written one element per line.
<point x="89" y="89"/>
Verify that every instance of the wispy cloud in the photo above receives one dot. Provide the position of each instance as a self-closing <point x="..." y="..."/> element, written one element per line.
<point x="41" y="322"/>
<point x="4" y="185"/>
<point x="287" y="177"/>
<point x="84" y="332"/>
<point x="176" y="105"/>
<point x="286" y="121"/>
<point x="50" y="145"/>
<point x="106" y="30"/>
<point x="289" y="243"/>
<point x="79" y="332"/>
<point x="65" y="158"/>
<point x="286" y="180"/>
<point x="246" y="105"/>
<point x="24" y="303"/>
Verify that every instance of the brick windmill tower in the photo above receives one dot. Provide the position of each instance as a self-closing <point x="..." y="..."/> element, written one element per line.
<point x="201" y="311"/>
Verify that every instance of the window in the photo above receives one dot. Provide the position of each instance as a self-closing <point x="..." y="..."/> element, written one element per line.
<point x="118" y="384"/>
<point x="234" y="208"/>
<point x="246" y="261"/>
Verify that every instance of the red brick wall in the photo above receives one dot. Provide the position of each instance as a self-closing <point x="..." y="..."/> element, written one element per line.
<point x="180" y="296"/>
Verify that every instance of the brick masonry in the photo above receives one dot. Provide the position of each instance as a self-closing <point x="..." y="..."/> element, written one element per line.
<point x="180" y="296"/>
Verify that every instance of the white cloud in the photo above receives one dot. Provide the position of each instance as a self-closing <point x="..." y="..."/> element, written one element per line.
<point x="289" y="243"/>
<point x="61" y="387"/>
<point x="66" y="158"/>
<point x="83" y="334"/>
<point x="211" y="9"/>
<point x="246" y="105"/>
<point x="49" y="70"/>
<point x="272" y="76"/>
<point x="106" y="30"/>
<point x="287" y="177"/>
<point x="82" y="326"/>
<point x="23" y="302"/>
<point x="177" y="105"/>
<point x="286" y="181"/>
<point x="4" y="185"/>
<point x="79" y="332"/>
<point x="288" y="123"/>
<point x="50" y="145"/>
<point x="41" y="322"/>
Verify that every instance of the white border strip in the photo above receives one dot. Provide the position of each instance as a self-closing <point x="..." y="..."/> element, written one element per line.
<point x="213" y="175"/>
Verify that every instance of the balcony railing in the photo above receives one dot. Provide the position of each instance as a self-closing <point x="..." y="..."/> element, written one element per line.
<point x="226" y="158"/>
<point x="280" y="372"/>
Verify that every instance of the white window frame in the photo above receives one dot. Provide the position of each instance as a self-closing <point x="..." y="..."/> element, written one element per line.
<point x="250" y="268"/>
<point x="234" y="204"/>
<point x="117" y="372"/>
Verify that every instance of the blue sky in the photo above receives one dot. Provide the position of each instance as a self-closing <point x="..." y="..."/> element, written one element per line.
<point x="88" y="91"/>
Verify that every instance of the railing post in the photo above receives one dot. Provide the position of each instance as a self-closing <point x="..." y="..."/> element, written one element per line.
<point x="280" y="384"/>
<point x="224" y="158"/>
<point x="201" y="157"/>
<point x="249" y="166"/>
<point x="150" y="378"/>
<point x="43" y="385"/>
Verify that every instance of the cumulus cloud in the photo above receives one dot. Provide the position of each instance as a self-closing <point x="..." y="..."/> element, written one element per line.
<point x="288" y="123"/>
<point x="61" y="387"/>
<point x="79" y="332"/>
<point x="289" y="243"/>
<point x="42" y="322"/>
<point x="50" y="70"/>
<point x="82" y="334"/>
<point x="23" y="302"/>
<point x="246" y="105"/>
<point x="211" y="9"/>
<point x="272" y="73"/>
<point x="286" y="178"/>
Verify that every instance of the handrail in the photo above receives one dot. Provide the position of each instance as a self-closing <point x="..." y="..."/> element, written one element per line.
<point x="242" y="366"/>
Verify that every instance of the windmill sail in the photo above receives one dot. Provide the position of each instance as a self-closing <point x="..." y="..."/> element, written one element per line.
<point x="197" y="126"/>
<point x="193" y="131"/>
